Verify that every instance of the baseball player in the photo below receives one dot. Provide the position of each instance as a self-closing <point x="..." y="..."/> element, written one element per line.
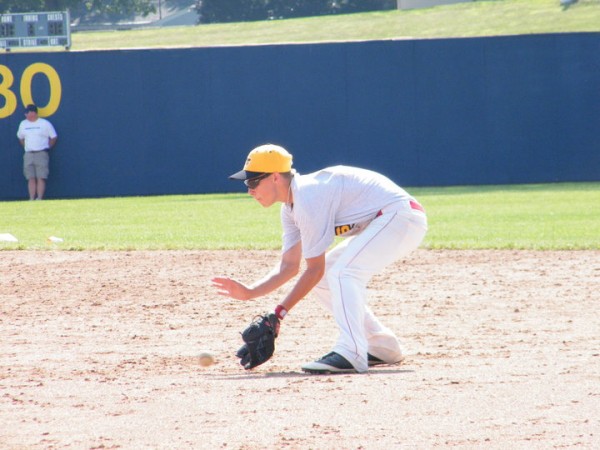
<point x="382" y="223"/>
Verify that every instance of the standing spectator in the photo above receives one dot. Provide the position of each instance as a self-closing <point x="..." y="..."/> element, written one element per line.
<point x="37" y="136"/>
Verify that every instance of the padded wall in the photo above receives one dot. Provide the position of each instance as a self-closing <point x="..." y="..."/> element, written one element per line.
<point x="498" y="110"/>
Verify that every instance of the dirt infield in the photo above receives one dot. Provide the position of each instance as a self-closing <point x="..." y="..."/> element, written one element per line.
<point x="99" y="350"/>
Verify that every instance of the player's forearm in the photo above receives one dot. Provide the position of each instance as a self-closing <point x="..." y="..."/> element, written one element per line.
<point x="274" y="280"/>
<point x="305" y="284"/>
<point x="286" y="270"/>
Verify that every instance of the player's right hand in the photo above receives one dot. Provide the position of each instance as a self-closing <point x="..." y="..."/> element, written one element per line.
<point x="231" y="288"/>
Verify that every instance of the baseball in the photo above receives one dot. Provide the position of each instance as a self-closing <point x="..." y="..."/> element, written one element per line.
<point x="206" y="359"/>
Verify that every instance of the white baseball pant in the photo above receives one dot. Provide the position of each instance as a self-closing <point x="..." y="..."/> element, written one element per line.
<point x="397" y="232"/>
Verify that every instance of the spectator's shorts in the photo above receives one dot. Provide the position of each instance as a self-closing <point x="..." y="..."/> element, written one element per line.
<point x="35" y="165"/>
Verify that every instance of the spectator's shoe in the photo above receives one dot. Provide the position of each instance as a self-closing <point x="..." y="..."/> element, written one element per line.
<point x="330" y="363"/>
<point x="374" y="360"/>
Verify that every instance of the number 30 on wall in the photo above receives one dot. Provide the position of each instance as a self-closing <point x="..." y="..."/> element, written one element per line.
<point x="10" y="99"/>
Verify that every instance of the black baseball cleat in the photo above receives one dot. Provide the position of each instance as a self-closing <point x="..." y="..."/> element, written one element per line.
<point x="374" y="360"/>
<point x="330" y="363"/>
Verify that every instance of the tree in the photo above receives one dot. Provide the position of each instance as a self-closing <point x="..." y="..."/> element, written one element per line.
<point x="211" y="11"/>
<point x="20" y="6"/>
<point x="352" y="6"/>
<point x="81" y="8"/>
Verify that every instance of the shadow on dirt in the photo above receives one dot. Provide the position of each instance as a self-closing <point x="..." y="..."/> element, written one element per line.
<point x="262" y="376"/>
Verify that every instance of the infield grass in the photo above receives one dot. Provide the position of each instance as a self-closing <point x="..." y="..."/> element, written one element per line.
<point x="481" y="18"/>
<point x="541" y="217"/>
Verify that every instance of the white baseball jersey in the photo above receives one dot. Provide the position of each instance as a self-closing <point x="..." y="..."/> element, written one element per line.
<point x="36" y="134"/>
<point x="337" y="200"/>
<point x="385" y="223"/>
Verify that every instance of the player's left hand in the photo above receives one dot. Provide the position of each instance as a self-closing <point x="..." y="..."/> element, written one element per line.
<point x="259" y="341"/>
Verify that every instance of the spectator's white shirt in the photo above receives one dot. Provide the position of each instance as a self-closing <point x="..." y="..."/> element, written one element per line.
<point x="36" y="134"/>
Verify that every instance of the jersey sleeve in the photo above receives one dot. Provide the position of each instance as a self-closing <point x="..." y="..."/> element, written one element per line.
<point x="314" y="227"/>
<point x="317" y="231"/>
<point x="291" y="233"/>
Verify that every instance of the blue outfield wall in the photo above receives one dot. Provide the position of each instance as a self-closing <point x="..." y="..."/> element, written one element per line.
<point x="497" y="110"/>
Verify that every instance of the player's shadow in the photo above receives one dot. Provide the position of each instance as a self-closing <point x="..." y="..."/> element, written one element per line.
<point x="263" y="375"/>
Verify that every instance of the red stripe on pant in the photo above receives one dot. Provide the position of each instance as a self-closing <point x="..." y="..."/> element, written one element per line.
<point x="413" y="205"/>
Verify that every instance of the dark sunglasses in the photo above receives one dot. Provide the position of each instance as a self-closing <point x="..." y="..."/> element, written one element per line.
<point x="253" y="183"/>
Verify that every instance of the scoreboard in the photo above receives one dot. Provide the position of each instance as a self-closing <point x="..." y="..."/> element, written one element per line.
<point x="36" y="29"/>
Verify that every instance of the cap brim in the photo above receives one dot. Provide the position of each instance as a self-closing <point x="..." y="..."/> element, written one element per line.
<point x="244" y="175"/>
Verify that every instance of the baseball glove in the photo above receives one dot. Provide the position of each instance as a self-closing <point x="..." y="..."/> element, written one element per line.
<point x="259" y="338"/>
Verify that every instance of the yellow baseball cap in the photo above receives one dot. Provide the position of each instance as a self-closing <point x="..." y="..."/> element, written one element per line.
<point x="268" y="158"/>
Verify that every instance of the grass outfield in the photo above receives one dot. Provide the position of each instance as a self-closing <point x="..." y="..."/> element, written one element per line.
<point x="560" y="216"/>
<point x="481" y="18"/>
<point x="544" y="216"/>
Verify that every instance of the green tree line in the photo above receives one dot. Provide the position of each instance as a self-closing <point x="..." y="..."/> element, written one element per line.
<point x="211" y="11"/>
<point x="82" y="9"/>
